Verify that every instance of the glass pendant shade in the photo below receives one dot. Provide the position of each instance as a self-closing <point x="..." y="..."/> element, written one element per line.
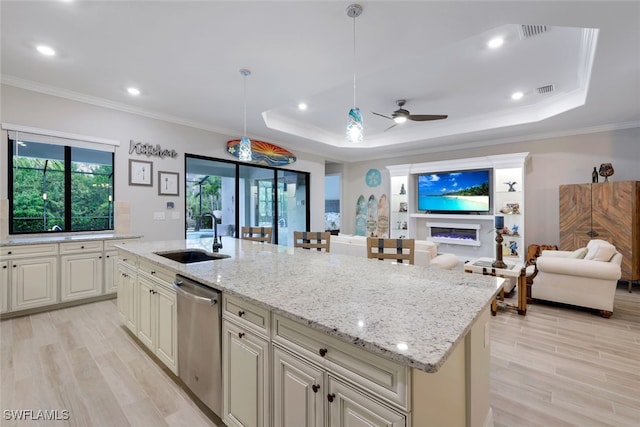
<point x="355" y="128"/>
<point x="245" y="149"/>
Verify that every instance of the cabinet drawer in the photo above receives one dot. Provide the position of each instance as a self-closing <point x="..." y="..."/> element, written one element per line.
<point x="111" y="244"/>
<point x="127" y="258"/>
<point x="245" y="313"/>
<point x="382" y="377"/>
<point x="157" y="272"/>
<point x="23" y="251"/>
<point x="79" y="247"/>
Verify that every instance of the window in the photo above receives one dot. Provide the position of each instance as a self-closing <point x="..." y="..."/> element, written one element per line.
<point x="58" y="187"/>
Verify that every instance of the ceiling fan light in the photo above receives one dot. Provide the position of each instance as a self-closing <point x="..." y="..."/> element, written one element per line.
<point x="400" y="119"/>
<point x="355" y="128"/>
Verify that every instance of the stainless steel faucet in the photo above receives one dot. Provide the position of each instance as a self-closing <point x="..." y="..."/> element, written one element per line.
<point x="217" y="242"/>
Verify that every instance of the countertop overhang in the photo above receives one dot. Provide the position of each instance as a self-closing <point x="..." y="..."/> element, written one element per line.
<point x="62" y="238"/>
<point x="412" y="315"/>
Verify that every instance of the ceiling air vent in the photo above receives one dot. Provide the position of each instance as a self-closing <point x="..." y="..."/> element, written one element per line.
<point x="528" y="31"/>
<point x="545" y="89"/>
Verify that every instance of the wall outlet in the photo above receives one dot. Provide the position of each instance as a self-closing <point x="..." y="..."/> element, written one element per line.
<point x="158" y="215"/>
<point x="175" y="215"/>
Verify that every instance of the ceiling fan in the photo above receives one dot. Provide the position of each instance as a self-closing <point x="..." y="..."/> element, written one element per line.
<point x="401" y="115"/>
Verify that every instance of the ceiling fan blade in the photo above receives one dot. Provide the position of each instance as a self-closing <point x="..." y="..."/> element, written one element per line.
<point x="426" y="117"/>
<point x="382" y="115"/>
<point x="392" y="126"/>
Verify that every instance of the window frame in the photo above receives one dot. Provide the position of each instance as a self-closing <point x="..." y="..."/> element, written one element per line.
<point x="68" y="214"/>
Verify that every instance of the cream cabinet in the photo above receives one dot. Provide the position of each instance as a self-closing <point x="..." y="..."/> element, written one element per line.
<point x="299" y="392"/>
<point x="32" y="276"/>
<point x="157" y="314"/>
<point x="110" y="272"/>
<point x="351" y="408"/>
<point x="81" y="270"/>
<point x="245" y="377"/>
<point x="128" y="295"/>
<point x="4" y="286"/>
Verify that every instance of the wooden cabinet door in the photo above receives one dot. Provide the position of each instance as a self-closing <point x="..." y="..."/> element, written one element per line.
<point x="298" y="391"/>
<point x="245" y="377"/>
<point x="110" y="272"/>
<point x="166" y="320"/>
<point x="4" y="286"/>
<point x="146" y="311"/>
<point x="349" y="408"/>
<point x="575" y="216"/>
<point x="81" y="276"/>
<point x="34" y="282"/>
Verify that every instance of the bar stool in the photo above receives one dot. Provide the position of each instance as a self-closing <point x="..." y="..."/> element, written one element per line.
<point x="321" y="240"/>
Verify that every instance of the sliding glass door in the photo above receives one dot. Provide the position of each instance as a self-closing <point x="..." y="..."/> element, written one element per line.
<point x="244" y="195"/>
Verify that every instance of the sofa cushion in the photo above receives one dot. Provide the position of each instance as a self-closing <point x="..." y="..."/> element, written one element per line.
<point x="603" y="252"/>
<point x="578" y="253"/>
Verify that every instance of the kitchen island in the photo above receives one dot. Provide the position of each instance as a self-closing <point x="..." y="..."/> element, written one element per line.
<point x="428" y="325"/>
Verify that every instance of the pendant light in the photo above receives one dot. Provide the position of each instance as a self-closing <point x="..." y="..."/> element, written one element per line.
<point x="245" y="143"/>
<point x="355" y="127"/>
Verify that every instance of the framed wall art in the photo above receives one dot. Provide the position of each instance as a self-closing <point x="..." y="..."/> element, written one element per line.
<point x="140" y="173"/>
<point x="168" y="183"/>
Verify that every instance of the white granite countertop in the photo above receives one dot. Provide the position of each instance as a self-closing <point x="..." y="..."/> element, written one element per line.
<point x="409" y="314"/>
<point x="61" y="238"/>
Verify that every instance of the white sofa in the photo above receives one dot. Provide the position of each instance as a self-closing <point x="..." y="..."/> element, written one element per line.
<point x="589" y="282"/>
<point x="425" y="251"/>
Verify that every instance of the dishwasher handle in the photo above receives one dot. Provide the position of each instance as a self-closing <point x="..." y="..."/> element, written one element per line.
<point x="177" y="286"/>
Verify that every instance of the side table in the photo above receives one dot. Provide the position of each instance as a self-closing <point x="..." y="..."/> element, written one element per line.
<point x="515" y="270"/>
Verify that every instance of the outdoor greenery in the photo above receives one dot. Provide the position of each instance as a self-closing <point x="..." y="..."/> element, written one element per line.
<point x="203" y="196"/>
<point x="90" y="190"/>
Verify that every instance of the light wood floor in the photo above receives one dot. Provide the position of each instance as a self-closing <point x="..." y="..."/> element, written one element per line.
<point x="554" y="367"/>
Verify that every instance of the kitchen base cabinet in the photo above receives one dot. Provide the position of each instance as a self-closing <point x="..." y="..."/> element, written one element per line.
<point x="81" y="276"/>
<point x="157" y="319"/>
<point x="33" y="282"/>
<point x="350" y="408"/>
<point x="110" y="272"/>
<point x="299" y="392"/>
<point x="4" y="286"/>
<point x="245" y="377"/>
<point x="128" y="296"/>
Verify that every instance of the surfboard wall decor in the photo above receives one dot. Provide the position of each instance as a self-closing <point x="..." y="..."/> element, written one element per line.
<point x="372" y="217"/>
<point x="263" y="153"/>
<point x="361" y="216"/>
<point x="383" y="217"/>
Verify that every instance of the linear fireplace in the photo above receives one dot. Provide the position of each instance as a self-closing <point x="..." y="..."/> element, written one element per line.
<point x="454" y="234"/>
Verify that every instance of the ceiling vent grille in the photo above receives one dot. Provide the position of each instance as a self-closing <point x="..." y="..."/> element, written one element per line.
<point x="528" y="31"/>
<point x="545" y="89"/>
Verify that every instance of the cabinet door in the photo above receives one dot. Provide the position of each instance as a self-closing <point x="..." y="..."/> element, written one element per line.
<point x="110" y="272"/>
<point x="123" y="301"/>
<point x="81" y="276"/>
<point x="349" y="408"/>
<point x="245" y="373"/>
<point x="131" y="289"/>
<point x="4" y="286"/>
<point x="575" y="216"/>
<point x="166" y="327"/>
<point x="146" y="311"/>
<point x="33" y="282"/>
<point x="298" y="392"/>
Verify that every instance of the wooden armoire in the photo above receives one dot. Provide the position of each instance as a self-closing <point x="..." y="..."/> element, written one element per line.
<point x="608" y="211"/>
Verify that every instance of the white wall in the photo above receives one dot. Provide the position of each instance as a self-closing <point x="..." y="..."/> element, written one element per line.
<point x="34" y="109"/>
<point x="552" y="162"/>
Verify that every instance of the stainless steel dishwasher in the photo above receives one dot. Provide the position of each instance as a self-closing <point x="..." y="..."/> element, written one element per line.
<point x="200" y="341"/>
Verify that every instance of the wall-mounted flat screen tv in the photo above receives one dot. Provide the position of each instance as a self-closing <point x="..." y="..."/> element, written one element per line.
<point x="465" y="191"/>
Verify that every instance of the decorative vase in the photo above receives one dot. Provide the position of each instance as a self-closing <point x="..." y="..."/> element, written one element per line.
<point x="606" y="170"/>
<point x="403" y="191"/>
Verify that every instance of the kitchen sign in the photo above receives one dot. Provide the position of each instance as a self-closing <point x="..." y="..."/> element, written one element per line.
<point x="146" y="149"/>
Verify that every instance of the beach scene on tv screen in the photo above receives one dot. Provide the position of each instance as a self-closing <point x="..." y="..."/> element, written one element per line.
<point x="466" y="191"/>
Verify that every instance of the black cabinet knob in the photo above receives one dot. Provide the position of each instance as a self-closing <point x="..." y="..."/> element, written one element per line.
<point x="241" y="313"/>
<point x="323" y="352"/>
<point x="315" y="388"/>
<point x="240" y="334"/>
<point x="331" y="396"/>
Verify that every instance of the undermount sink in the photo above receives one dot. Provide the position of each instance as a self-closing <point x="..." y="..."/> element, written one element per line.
<point x="188" y="256"/>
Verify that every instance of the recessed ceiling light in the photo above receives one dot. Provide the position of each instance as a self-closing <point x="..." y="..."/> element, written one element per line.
<point x="517" y="95"/>
<point x="302" y="106"/>
<point x="495" y="42"/>
<point x="46" y="50"/>
<point x="133" y="91"/>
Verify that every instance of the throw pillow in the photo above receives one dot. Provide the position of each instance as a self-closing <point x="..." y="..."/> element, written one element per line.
<point x="602" y="253"/>
<point x="578" y="253"/>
